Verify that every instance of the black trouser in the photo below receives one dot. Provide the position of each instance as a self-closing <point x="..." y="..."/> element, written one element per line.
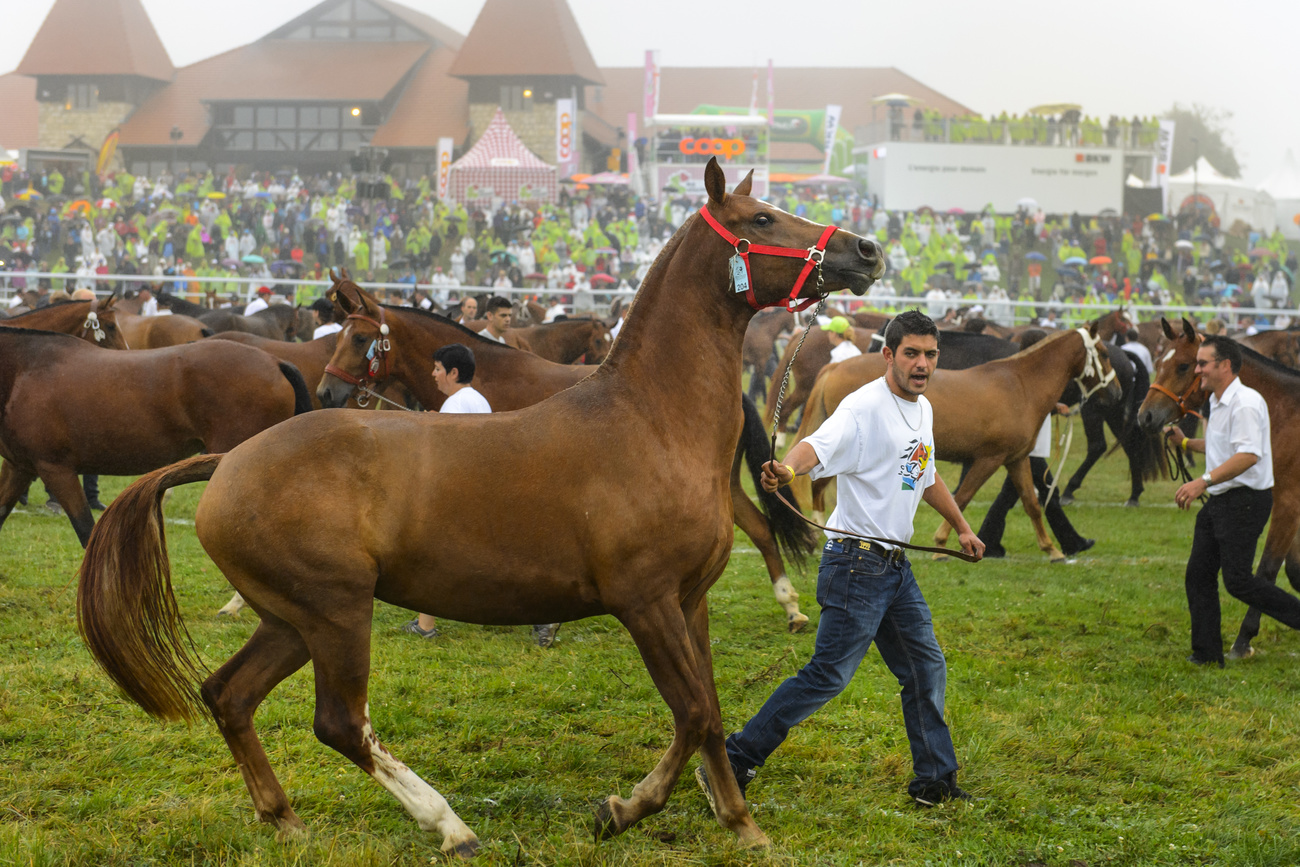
<point x="990" y="531"/>
<point x="1227" y="531"/>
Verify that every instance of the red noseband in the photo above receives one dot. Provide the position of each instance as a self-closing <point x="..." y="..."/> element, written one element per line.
<point x="812" y="257"/>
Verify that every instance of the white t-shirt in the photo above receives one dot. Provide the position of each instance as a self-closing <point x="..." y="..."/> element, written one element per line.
<point x="1239" y="423"/>
<point x="884" y="463"/>
<point x="488" y="334"/>
<point x="255" y="305"/>
<point x="466" y="400"/>
<point x="1043" y="444"/>
<point x="845" y="351"/>
<point x="327" y="328"/>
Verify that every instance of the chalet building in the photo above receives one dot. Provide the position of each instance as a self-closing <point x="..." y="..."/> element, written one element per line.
<point x="347" y="74"/>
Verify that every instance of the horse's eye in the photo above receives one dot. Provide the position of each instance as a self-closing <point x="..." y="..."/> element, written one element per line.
<point x="1183" y="368"/>
<point x="762" y="220"/>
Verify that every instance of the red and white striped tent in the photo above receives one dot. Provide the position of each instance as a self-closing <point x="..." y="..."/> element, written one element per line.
<point x="501" y="167"/>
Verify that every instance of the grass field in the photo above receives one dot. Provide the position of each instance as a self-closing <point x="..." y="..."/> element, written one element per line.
<point x="1083" y="732"/>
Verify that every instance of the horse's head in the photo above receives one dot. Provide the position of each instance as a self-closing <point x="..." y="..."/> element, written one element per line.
<point x="1177" y="389"/>
<point x="1098" y="376"/>
<point x="599" y="344"/>
<point x="361" y="353"/>
<point x="783" y="250"/>
<point x="1115" y="322"/>
<point x="106" y="313"/>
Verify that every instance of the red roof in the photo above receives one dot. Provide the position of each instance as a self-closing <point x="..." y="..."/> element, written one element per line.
<point x="97" y="37"/>
<point x="273" y="70"/>
<point x="18" y="111"/>
<point x="526" y="37"/>
<point x="433" y="105"/>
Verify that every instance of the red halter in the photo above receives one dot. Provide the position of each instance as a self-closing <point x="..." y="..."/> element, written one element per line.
<point x="378" y="354"/>
<point x="812" y="257"/>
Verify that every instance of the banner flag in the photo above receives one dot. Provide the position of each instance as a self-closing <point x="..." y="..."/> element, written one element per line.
<point x="444" y="166"/>
<point x="832" y="127"/>
<point x="1164" y="156"/>
<point x="651" y="86"/>
<point x="753" y="95"/>
<point x="566" y="152"/>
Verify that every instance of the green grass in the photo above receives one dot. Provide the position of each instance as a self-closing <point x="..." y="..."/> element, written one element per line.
<point x="1081" y="729"/>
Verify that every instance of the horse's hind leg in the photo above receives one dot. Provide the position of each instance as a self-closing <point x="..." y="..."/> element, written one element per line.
<point x="233" y="607"/>
<point x="13" y="484"/>
<point x="233" y="694"/>
<point x="341" y="657"/>
<point x="65" y="487"/>
<point x="661" y="636"/>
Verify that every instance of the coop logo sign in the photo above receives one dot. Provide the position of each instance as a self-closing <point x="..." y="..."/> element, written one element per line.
<point x="565" y="152"/>
<point x="725" y="147"/>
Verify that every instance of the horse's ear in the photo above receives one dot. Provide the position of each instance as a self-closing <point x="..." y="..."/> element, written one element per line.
<point x="1093" y="329"/>
<point x="743" y="188"/>
<point x="1189" y="330"/>
<point x="1167" y="328"/>
<point x="715" y="182"/>
<point x="107" y="304"/>
<point x="344" y="300"/>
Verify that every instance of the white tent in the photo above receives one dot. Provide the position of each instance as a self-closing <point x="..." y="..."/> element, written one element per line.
<point x="1232" y="199"/>
<point x="1284" y="186"/>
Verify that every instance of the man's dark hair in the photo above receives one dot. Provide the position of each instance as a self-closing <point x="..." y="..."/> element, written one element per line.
<point x="495" y="303"/>
<point x="1224" y="348"/>
<point x="457" y="357"/>
<point x="909" y="322"/>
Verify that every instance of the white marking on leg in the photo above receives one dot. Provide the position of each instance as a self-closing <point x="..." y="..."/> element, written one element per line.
<point x="429" y="809"/>
<point x="234" y="606"/>
<point x="785" y="594"/>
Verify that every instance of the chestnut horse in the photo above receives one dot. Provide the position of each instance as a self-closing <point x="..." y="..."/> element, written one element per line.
<point x="511" y="379"/>
<point x="626" y="511"/>
<point x="156" y="332"/>
<point x="1177" y="392"/>
<point x="92" y="321"/>
<point x="759" y="352"/>
<point x="310" y="358"/>
<point x="72" y="408"/>
<point x="812" y="357"/>
<point x="566" y="341"/>
<point x="1281" y="346"/>
<point x="988" y="415"/>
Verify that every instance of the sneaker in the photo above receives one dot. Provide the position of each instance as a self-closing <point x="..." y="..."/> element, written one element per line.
<point x="54" y="508"/>
<point x="743" y="779"/>
<point x="544" y="634"/>
<point x="413" y="627"/>
<point x="938" y="791"/>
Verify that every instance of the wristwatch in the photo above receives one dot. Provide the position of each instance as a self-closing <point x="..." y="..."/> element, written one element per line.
<point x="1206" y="478"/>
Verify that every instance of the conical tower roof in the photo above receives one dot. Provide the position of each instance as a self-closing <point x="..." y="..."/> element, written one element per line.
<point x="97" y="37"/>
<point x="526" y="37"/>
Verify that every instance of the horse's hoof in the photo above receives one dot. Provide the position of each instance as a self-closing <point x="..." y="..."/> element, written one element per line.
<point x="1067" y="499"/>
<point x="1058" y="558"/>
<point x="464" y="850"/>
<point x="290" y="828"/>
<point x="757" y="841"/>
<point x="797" y="622"/>
<point x="606" y="825"/>
<point x="939" y="558"/>
<point x="1241" y="652"/>
<point x="1132" y="504"/>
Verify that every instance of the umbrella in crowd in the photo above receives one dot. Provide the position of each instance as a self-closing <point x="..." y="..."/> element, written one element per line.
<point x="1027" y="203"/>
<point x="230" y="263"/>
<point x="1035" y="256"/>
<point x="1076" y="260"/>
<point x="1262" y="251"/>
<point x="1183" y="244"/>
<point x="254" y="259"/>
<point x="607" y="179"/>
<point x="1099" y="260"/>
<point x="602" y="278"/>
<point x="216" y="195"/>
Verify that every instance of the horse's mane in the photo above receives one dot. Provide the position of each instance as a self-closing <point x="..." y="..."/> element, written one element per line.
<point x="951" y="337"/>
<point x="37" y="333"/>
<point x="1037" y="346"/>
<point x="658" y="268"/>
<point x="443" y="320"/>
<point x="58" y="303"/>
<point x="1261" y="360"/>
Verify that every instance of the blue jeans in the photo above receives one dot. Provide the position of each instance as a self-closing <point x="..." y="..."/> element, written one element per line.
<point x="863" y="597"/>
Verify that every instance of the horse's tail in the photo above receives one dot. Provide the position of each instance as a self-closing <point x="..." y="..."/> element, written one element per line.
<point x="206" y="331"/>
<point x="126" y="610"/>
<point x="1145" y="447"/>
<point x="301" y="396"/>
<point x="793" y="536"/>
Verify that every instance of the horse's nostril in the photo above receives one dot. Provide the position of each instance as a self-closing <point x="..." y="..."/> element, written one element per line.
<point x="868" y="248"/>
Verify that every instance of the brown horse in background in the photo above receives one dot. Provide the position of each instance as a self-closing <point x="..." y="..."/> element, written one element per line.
<point x="72" y="408"/>
<point x="813" y="356"/>
<point x="310" y="358"/>
<point x="759" y="350"/>
<point x="989" y="415"/>
<point x="92" y="321"/>
<point x="510" y="380"/>
<point x="399" y="512"/>
<point x="1280" y="346"/>
<point x="156" y="332"/>
<point x="567" y="341"/>
<point x="1280" y="388"/>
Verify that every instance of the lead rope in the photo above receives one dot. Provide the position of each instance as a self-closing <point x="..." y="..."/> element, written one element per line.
<point x="365" y="392"/>
<point x="1065" y="453"/>
<point x="776" y="424"/>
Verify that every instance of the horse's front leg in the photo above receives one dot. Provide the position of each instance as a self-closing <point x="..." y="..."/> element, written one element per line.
<point x="1021" y="476"/>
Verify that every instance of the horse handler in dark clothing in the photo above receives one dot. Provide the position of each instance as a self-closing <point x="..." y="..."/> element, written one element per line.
<point x="1239" y="455"/>
<point x="879" y="443"/>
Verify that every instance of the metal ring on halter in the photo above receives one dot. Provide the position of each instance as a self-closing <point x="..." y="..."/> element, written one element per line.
<point x="745" y="241"/>
<point x="814" y="252"/>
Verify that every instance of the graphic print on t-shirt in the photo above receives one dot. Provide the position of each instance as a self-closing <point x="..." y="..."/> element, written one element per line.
<point x="915" y="458"/>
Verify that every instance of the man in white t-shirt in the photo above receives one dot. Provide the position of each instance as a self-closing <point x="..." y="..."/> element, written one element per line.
<point x="261" y="302"/>
<point x="840" y="334"/>
<point x="500" y="313"/>
<point x="879" y="443"/>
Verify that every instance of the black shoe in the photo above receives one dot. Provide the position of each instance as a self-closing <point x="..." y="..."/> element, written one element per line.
<point x="1085" y="545"/>
<point x="22" y="500"/>
<point x="96" y="506"/>
<point x="933" y="793"/>
<point x="544" y="634"/>
<point x="1195" y="660"/>
<point x="413" y="627"/>
<point x="743" y="779"/>
<point x="997" y="553"/>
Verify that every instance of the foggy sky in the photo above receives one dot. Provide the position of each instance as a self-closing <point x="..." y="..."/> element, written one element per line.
<point x="1120" y="57"/>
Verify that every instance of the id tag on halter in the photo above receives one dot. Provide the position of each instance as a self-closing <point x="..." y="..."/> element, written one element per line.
<point x="739" y="274"/>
